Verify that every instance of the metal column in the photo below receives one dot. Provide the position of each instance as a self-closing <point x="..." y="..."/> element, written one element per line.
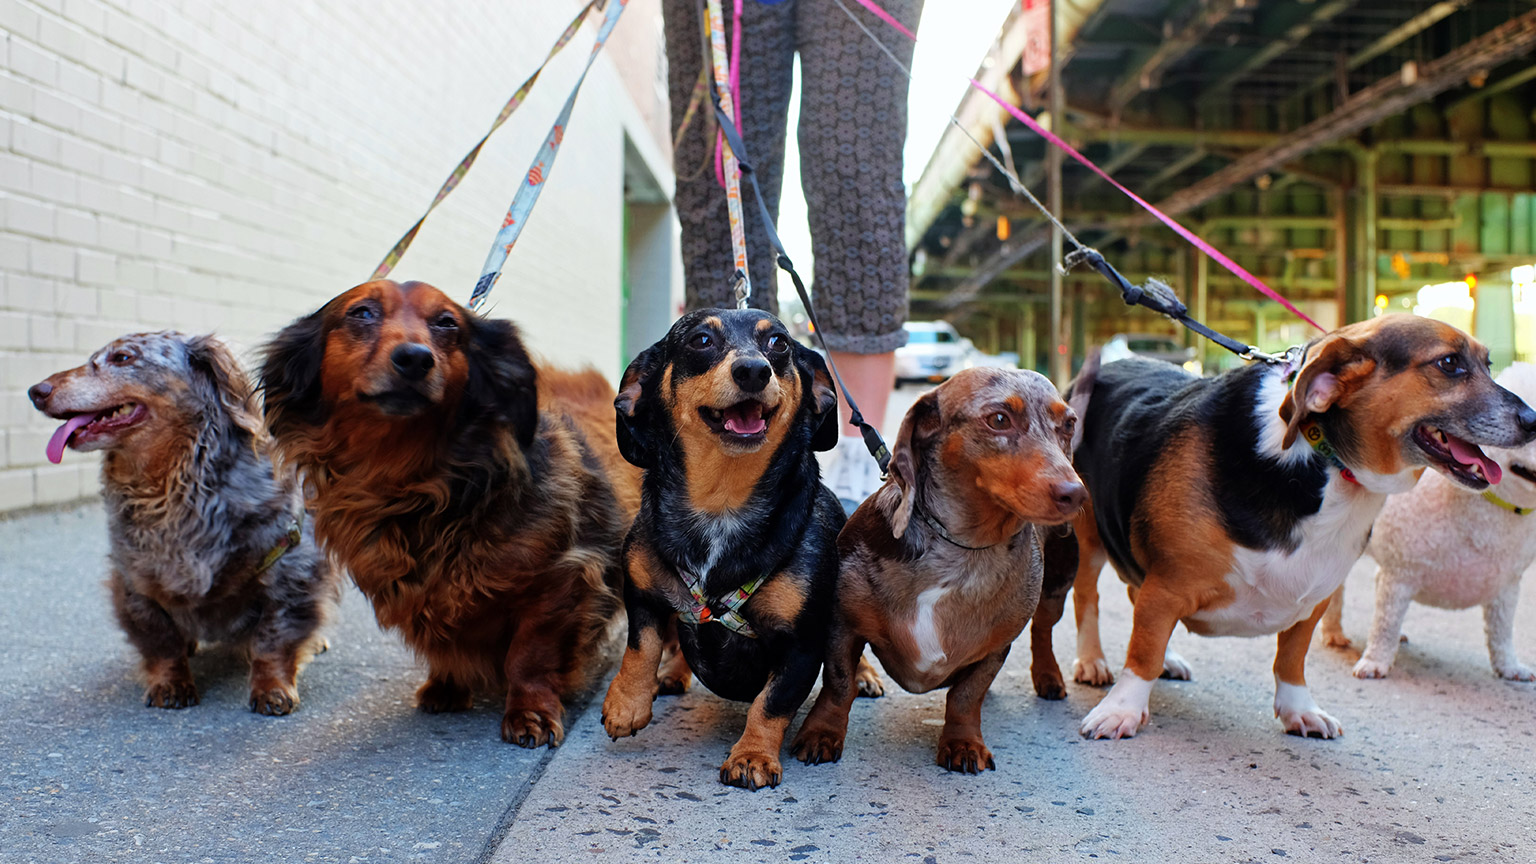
<point x="1061" y="359"/>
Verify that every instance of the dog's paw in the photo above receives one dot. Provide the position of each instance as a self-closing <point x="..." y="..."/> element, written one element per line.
<point x="275" y="700"/>
<point x="1094" y="672"/>
<point x="531" y="729"/>
<point x="1315" y="723"/>
<point x="670" y="683"/>
<point x="1048" y="683"/>
<point x="1113" y="722"/>
<point x="868" y="680"/>
<point x="443" y="697"/>
<point x="965" y="756"/>
<point x="1176" y="668"/>
<point x="751" y="770"/>
<point x="171" y="694"/>
<point x="1334" y="639"/>
<point x="623" y="717"/>
<point x="1516" y="672"/>
<point x="1367" y="667"/>
<point x="815" y="746"/>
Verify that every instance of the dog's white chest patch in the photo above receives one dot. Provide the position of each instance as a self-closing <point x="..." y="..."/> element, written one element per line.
<point x="925" y="629"/>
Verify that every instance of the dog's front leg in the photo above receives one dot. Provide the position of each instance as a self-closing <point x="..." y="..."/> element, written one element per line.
<point x="163" y="648"/>
<point x="1293" y="703"/>
<point x="1499" y="625"/>
<point x="1123" y="711"/>
<point x="821" y="736"/>
<point x="627" y="707"/>
<point x="754" y="759"/>
<point x="960" y="744"/>
<point x="1089" y="667"/>
<point x="537" y="664"/>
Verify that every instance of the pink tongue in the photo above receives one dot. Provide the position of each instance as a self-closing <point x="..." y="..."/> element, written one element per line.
<point x="745" y="425"/>
<point x="1466" y="454"/>
<point x="61" y="436"/>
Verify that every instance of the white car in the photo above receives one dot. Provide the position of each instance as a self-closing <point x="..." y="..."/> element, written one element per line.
<point x="934" y="351"/>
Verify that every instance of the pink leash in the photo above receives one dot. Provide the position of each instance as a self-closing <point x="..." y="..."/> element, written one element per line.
<point x="735" y="92"/>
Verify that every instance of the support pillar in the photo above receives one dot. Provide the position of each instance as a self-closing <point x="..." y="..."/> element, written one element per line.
<point x="1202" y="301"/>
<point x="1029" y="351"/>
<point x="1060" y="359"/>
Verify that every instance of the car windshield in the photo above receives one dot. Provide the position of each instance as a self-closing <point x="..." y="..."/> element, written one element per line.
<point x="928" y="337"/>
<point x="1153" y="345"/>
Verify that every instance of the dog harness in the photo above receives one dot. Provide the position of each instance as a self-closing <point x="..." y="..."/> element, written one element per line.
<point x="1314" y="435"/>
<point x="1518" y="511"/>
<point x="726" y="613"/>
<point x="290" y="539"/>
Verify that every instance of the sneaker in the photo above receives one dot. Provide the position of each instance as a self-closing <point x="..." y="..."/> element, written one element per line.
<point x="852" y="474"/>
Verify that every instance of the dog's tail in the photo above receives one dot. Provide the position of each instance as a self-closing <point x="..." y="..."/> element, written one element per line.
<point x="1080" y="391"/>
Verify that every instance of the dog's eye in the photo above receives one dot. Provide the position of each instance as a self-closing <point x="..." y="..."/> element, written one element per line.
<point x="1451" y="365"/>
<point x="700" y="341"/>
<point x="778" y="343"/>
<point x="445" y="321"/>
<point x="1069" y="426"/>
<point x="362" y="312"/>
<point x="120" y="358"/>
<point x="999" y="421"/>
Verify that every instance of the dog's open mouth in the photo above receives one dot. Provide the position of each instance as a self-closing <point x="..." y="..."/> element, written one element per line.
<point x="745" y="422"/>
<point x="89" y="425"/>
<point x="1462" y="460"/>
<point x="1522" y="472"/>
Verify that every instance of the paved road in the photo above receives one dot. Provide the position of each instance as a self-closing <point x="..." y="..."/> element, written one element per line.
<point x="1435" y="765"/>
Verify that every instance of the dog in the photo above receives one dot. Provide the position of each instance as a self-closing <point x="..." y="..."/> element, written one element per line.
<point x="206" y="543"/>
<point x="735" y="542"/>
<point x="477" y="498"/>
<point x="1440" y="546"/>
<point x="1237" y="504"/>
<point x="942" y="567"/>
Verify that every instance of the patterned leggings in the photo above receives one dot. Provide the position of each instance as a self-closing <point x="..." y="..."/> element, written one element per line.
<point x="853" y="120"/>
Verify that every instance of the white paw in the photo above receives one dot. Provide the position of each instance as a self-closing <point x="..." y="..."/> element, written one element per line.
<point x="1516" y="672"/>
<point x="1093" y="672"/>
<point x="1316" y="723"/>
<point x="1122" y="712"/>
<point x="1176" y="667"/>
<point x="1369" y="668"/>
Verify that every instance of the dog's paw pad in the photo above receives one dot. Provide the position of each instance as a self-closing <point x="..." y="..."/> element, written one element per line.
<point x="1050" y="686"/>
<point x="1093" y="672"/>
<point x="1517" y="672"/>
<point x="1368" y="668"/>
<point x="814" y="747"/>
<point x="171" y="694"/>
<point x="1112" y="723"/>
<point x="531" y="729"/>
<point x="623" y="718"/>
<point x="1316" y="723"/>
<point x="965" y="756"/>
<point x="274" y="701"/>
<point x="751" y="770"/>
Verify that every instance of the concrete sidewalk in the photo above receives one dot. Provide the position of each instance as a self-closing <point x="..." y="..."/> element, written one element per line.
<point x="1435" y="764"/>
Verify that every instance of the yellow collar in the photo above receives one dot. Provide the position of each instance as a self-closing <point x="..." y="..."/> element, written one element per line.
<point x="291" y="538"/>
<point x="1495" y="499"/>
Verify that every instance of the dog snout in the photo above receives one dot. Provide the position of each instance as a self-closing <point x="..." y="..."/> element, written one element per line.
<point x="1069" y="495"/>
<point x="39" y="394"/>
<point x="1526" y="417"/>
<point x="751" y="373"/>
<point x="412" y="360"/>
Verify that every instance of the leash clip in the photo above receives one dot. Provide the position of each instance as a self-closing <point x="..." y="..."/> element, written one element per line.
<point x="743" y="288"/>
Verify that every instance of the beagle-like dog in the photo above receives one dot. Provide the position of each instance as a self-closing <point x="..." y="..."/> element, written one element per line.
<point x="941" y="567"/>
<point x="1237" y="504"/>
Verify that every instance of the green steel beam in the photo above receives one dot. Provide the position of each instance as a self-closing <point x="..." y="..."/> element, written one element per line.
<point x="1397" y="36"/>
<point x="1294" y="36"/>
<point x="1174" y="46"/>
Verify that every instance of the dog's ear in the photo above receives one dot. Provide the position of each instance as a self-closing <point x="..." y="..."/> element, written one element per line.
<point x="917" y="430"/>
<point x="290" y="375"/>
<point x="632" y="418"/>
<point x="220" y="381"/>
<point x="503" y="386"/>
<point x="1332" y="370"/>
<point x="822" y="394"/>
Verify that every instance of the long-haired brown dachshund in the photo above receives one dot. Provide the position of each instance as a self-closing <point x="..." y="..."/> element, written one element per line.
<point x="478" y="500"/>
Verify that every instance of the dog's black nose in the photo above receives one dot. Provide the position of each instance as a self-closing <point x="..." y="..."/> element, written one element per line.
<point x="1070" y="495"/>
<point x="40" y="393"/>
<point x="1525" y="416"/>
<point x="751" y="373"/>
<point x="412" y="360"/>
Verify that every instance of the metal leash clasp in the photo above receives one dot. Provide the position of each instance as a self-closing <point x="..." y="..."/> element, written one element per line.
<point x="743" y="289"/>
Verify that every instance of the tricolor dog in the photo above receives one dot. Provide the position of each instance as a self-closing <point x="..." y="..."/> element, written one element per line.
<point x="735" y="541"/>
<point x="1237" y="504"/>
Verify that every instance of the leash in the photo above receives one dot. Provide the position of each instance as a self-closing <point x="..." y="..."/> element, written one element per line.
<point x="404" y="243"/>
<point x="1495" y="499"/>
<point x="732" y="154"/>
<point x="1155" y="295"/>
<point x="543" y="161"/>
<point x="937" y="526"/>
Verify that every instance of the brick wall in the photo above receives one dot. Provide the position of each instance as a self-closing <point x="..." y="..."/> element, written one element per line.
<point x="226" y="166"/>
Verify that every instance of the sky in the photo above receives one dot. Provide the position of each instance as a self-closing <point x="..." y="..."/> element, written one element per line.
<point x="952" y="38"/>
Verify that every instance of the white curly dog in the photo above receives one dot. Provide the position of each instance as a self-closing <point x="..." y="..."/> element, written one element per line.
<point x="1444" y="545"/>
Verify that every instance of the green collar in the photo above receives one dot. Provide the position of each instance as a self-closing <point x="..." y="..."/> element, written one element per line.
<point x="1314" y="435"/>
<point x="1495" y="499"/>
<point x="290" y="539"/>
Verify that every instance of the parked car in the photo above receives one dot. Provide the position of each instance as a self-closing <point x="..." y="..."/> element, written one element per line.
<point x="934" y="351"/>
<point x="1123" y="345"/>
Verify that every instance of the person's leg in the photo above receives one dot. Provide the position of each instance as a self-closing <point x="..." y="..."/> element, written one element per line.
<point x="767" y="70"/>
<point x="852" y="127"/>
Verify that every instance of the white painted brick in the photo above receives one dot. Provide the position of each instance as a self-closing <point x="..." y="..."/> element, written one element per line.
<point x="78" y="303"/>
<point x="27" y="446"/>
<point x="94" y="268"/>
<point x="27" y="215"/>
<point x="18" y="16"/>
<point x="4" y="443"/>
<point x="50" y="333"/>
<point x="16" y="93"/>
<point x="76" y="226"/>
<point x="80" y="82"/>
<point x="13" y="331"/>
<point x="13" y="253"/>
<point x="29" y="292"/>
<point x="118" y="304"/>
<point x="54" y="110"/>
<point x="35" y="140"/>
<point x="52" y="184"/>
<point x="60" y="37"/>
<point x="99" y="198"/>
<point x="15" y="172"/>
<point x="16" y="489"/>
<point x="53" y="259"/>
<point x="57" y="484"/>
<point x="91" y="15"/>
<point x="32" y="61"/>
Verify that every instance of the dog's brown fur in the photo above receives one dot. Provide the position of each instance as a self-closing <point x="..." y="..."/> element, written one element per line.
<point x="479" y="504"/>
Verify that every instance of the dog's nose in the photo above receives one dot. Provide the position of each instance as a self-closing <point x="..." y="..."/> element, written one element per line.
<point x="412" y="360"/>
<point x="751" y="373"/>
<point x="1525" y="416"/>
<point x="39" y="394"/>
<point x="1070" y="495"/>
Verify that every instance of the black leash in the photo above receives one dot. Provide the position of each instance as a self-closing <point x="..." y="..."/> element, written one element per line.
<point x="872" y="438"/>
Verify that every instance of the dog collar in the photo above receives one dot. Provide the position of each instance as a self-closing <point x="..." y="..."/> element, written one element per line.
<point x="1314" y="435"/>
<point x="1495" y="499"/>
<point x="727" y="613"/>
<point x="290" y="539"/>
<point x="948" y="537"/>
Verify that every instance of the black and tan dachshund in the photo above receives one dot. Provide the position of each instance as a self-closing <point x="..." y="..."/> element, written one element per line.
<point x="735" y="542"/>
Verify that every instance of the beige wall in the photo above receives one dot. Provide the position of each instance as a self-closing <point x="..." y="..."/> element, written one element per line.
<point x="227" y="165"/>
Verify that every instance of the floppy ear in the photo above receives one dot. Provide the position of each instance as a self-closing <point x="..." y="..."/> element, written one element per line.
<point x="1333" y="369"/>
<point x="917" y="428"/>
<point x="220" y="381"/>
<point x="503" y="386"/>
<point x="290" y="375"/>
<point x="632" y="419"/>
<point x="823" y="396"/>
